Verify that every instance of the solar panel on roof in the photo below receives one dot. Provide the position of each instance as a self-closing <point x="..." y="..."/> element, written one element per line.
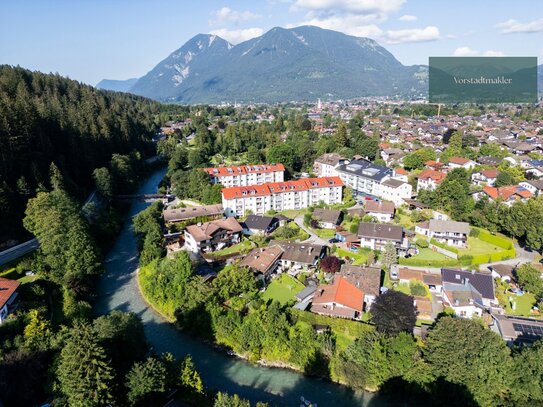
<point x="534" y="330"/>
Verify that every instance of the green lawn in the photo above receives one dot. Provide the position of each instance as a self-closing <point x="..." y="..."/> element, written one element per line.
<point x="404" y="220"/>
<point x="245" y="244"/>
<point x="477" y="246"/>
<point x="524" y="304"/>
<point x="282" y="289"/>
<point x="359" y="256"/>
<point x="430" y="255"/>
<point x="292" y="213"/>
<point x="324" y="233"/>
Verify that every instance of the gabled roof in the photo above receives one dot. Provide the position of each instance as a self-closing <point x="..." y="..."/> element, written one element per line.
<point x="262" y="259"/>
<point x="380" y="231"/>
<point x="379" y="207"/>
<point x="459" y="160"/>
<point x="7" y="289"/>
<point x="327" y="215"/>
<point x="482" y="282"/>
<point x="243" y="169"/>
<point x="302" y="253"/>
<point x="330" y="159"/>
<point x="340" y="292"/>
<point x="490" y="173"/>
<point x="191" y="212"/>
<point x="206" y="230"/>
<point x="436" y="176"/>
<point x="367" y="279"/>
<point x="258" y="222"/>
<point x="506" y="192"/>
<point x="437" y="225"/>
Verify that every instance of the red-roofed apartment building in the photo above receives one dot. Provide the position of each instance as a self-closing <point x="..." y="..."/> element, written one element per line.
<point x="8" y="293"/>
<point x="244" y="175"/>
<point x="280" y="196"/>
<point x="340" y="299"/>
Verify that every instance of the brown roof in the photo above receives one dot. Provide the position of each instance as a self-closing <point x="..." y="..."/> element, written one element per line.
<point x="380" y="207"/>
<point x="420" y="275"/>
<point x="299" y="252"/>
<point x="380" y="231"/>
<point x="330" y="159"/>
<point x="191" y="212"/>
<point x="340" y="292"/>
<point x="349" y="237"/>
<point x="206" y="230"/>
<point x="7" y="289"/>
<point x="327" y="215"/>
<point x="262" y="259"/>
<point x="424" y="305"/>
<point x="367" y="279"/>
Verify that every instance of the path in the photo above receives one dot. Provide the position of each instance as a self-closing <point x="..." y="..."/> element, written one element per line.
<point x="314" y="238"/>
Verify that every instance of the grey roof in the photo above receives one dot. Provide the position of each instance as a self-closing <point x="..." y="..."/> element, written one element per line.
<point x="191" y="212"/>
<point x="518" y="329"/>
<point x="306" y="292"/>
<point x="365" y="168"/>
<point x="462" y="294"/>
<point x="379" y="207"/>
<point x="259" y="222"/>
<point x="482" y="282"/>
<point x="489" y="160"/>
<point x="536" y="183"/>
<point x="302" y="253"/>
<point x="381" y="231"/>
<point x="327" y="215"/>
<point x="437" y="225"/>
<point x="504" y="270"/>
<point x="330" y="159"/>
<point x="367" y="279"/>
<point x="394" y="183"/>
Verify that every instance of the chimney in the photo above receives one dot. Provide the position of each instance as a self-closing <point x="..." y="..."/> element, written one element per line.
<point x="456" y="302"/>
<point x="466" y="281"/>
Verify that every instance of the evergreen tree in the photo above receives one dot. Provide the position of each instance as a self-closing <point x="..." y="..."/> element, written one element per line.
<point x="145" y="381"/>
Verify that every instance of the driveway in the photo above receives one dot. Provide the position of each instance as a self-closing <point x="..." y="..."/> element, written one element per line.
<point x="313" y="238"/>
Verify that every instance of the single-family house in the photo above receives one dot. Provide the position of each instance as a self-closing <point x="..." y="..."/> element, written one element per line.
<point x="534" y="186"/>
<point x="518" y="330"/>
<point x="376" y="235"/>
<point x="263" y="261"/>
<point x="327" y="218"/>
<point x="504" y="272"/>
<point x="464" y="299"/>
<point x="339" y="299"/>
<point x="485" y="177"/>
<point x="395" y="191"/>
<point x="297" y="256"/>
<point x="507" y="195"/>
<point x="8" y="294"/>
<point x="461" y="162"/>
<point x="449" y="232"/>
<point x="259" y="225"/>
<point x="213" y="235"/>
<point x="382" y="211"/>
<point x="483" y="283"/>
<point x="365" y="278"/>
<point x="430" y="179"/>
<point x="431" y="280"/>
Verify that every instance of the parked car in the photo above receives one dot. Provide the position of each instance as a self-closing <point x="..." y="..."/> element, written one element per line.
<point x="333" y="240"/>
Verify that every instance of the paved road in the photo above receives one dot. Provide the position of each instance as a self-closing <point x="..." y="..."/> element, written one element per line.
<point x="313" y="237"/>
<point x="15" y="252"/>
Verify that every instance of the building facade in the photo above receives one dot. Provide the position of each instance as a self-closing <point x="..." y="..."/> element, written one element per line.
<point x="245" y="175"/>
<point x="280" y="196"/>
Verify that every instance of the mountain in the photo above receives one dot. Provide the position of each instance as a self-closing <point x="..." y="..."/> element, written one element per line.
<point x="117" y="86"/>
<point x="302" y="63"/>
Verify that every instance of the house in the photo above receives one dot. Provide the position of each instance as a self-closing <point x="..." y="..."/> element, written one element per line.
<point x="502" y="271"/>
<point x="460" y="162"/>
<point x="8" y="294"/>
<point x="430" y="179"/>
<point x="431" y="280"/>
<point x="485" y="177"/>
<point x="297" y="256"/>
<point x="207" y="212"/>
<point x="483" y="283"/>
<point x="245" y="175"/>
<point x="263" y="261"/>
<point x="487" y="160"/>
<point x="259" y="225"/>
<point x="434" y="165"/>
<point x="382" y="211"/>
<point x="213" y="235"/>
<point x="365" y="278"/>
<point x="465" y="300"/>
<point x="327" y="218"/>
<point x="339" y="299"/>
<point x="518" y="330"/>
<point x="307" y="293"/>
<point x="280" y="196"/>
<point x="389" y="155"/>
<point x="535" y="187"/>
<point x="351" y="240"/>
<point x="376" y="235"/>
<point x="400" y="174"/>
<point x="423" y="305"/>
<point x="395" y="191"/>
<point x="325" y="165"/>
<point x="449" y="232"/>
<point x="507" y="195"/>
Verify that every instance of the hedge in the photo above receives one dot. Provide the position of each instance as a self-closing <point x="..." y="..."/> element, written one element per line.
<point x="413" y="261"/>
<point x="444" y="246"/>
<point x="496" y="240"/>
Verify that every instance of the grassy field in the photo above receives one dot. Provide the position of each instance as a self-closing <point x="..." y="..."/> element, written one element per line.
<point x="524" y="304"/>
<point x="324" y="233"/>
<point x="477" y="246"/>
<point x="346" y="330"/>
<point x="429" y="254"/>
<point x="405" y="221"/>
<point x="282" y="289"/>
<point x="359" y="256"/>
<point x="237" y="248"/>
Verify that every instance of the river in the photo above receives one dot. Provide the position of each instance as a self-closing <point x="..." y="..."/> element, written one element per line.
<point x="118" y="290"/>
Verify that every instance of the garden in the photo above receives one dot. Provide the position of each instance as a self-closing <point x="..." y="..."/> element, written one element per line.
<point x="282" y="289"/>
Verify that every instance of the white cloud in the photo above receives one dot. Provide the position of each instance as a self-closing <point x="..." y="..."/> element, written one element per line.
<point x="430" y="33"/>
<point x="514" y="26"/>
<point x="407" y="17"/>
<point x="351" y="6"/>
<point x="468" y="52"/>
<point x="227" y="15"/>
<point x="237" y="36"/>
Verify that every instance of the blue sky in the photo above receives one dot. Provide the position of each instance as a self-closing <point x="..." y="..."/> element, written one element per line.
<point x="118" y="39"/>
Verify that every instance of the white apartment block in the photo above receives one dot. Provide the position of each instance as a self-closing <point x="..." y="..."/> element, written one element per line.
<point x="280" y="196"/>
<point x="245" y="175"/>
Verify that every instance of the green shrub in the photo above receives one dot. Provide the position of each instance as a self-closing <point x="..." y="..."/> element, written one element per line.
<point x="413" y="261"/>
<point x="422" y="243"/>
<point x="474" y="232"/>
<point x="444" y="246"/>
<point x="417" y="288"/>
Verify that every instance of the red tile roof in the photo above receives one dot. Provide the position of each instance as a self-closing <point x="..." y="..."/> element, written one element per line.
<point x="270" y="188"/>
<point x="243" y="169"/>
<point x="400" y="171"/>
<point x="458" y="160"/>
<point x="7" y="289"/>
<point x="340" y="292"/>
<point x="506" y="192"/>
<point x="437" y="176"/>
<point x="490" y="173"/>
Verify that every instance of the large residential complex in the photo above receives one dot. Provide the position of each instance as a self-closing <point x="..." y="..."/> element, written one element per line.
<point x="280" y="196"/>
<point x="244" y="175"/>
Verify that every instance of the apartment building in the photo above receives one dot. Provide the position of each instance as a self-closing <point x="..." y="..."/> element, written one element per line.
<point x="280" y="196"/>
<point x="326" y="164"/>
<point x="363" y="177"/>
<point x="245" y="175"/>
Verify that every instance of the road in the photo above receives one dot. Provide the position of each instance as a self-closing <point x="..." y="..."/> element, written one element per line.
<point x="20" y="250"/>
<point x="315" y="239"/>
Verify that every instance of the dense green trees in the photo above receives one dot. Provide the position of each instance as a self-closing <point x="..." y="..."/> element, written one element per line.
<point x="148" y="226"/>
<point x="393" y="312"/>
<point x="47" y="118"/>
<point x="417" y="159"/>
<point x="146" y="380"/>
<point x="529" y="278"/>
<point x="194" y="184"/>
